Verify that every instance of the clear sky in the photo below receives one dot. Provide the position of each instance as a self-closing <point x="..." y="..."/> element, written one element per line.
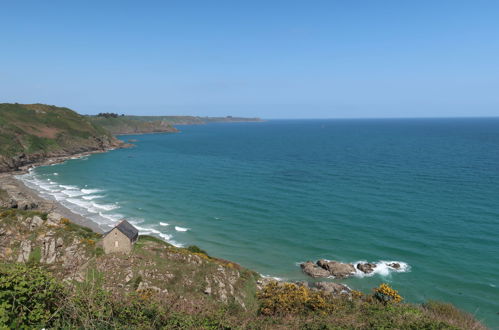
<point x="273" y="59"/>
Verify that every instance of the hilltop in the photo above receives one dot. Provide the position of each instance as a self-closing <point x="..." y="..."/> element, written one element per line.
<point x="30" y="133"/>
<point x="131" y="125"/>
<point x="117" y="124"/>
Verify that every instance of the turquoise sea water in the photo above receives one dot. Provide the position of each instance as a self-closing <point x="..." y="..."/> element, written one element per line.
<point x="270" y="195"/>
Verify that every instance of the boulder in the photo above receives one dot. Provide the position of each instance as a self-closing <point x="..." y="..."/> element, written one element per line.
<point x="48" y="251"/>
<point x="54" y="219"/>
<point x="367" y="267"/>
<point x="394" y="265"/>
<point x="337" y="269"/>
<point x="333" y="288"/>
<point x="25" y="250"/>
<point x="314" y="270"/>
<point x="36" y="222"/>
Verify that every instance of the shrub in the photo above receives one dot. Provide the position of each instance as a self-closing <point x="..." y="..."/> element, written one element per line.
<point x="289" y="298"/>
<point x="29" y="296"/>
<point x="385" y="294"/>
<point x="195" y="249"/>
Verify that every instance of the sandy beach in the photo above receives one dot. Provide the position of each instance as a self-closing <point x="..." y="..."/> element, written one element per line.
<point x="18" y="191"/>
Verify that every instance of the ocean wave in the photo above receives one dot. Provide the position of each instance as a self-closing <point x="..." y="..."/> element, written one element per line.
<point x="91" y="197"/>
<point x="106" y="207"/>
<point x="69" y="187"/>
<point x="112" y="217"/>
<point x="72" y="193"/>
<point x="382" y="268"/>
<point x="81" y="201"/>
<point x="278" y="279"/>
<point x="143" y="230"/>
<point x="90" y="191"/>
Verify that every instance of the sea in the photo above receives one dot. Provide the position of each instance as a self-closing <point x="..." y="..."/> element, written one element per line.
<point x="270" y="195"/>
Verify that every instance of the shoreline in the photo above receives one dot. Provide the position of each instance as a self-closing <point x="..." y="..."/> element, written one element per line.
<point x="57" y="160"/>
<point x="18" y="190"/>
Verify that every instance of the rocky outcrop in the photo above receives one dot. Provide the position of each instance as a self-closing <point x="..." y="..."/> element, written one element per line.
<point x="314" y="270"/>
<point x="367" y="267"/>
<point x="332" y="288"/>
<point x="394" y="265"/>
<point x="337" y="269"/>
<point x="326" y="268"/>
<point x="96" y="144"/>
<point x="25" y="250"/>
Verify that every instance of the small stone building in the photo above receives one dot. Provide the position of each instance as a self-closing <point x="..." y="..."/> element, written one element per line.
<point x="121" y="238"/>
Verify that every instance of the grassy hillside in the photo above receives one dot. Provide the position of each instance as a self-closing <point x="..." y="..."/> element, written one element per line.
<point x="31" y="132"/>
<point x="194" y="120"/>
<point x="157" y="124"/>
<point x="131" y="125"/>
<point x="54" y="274"/>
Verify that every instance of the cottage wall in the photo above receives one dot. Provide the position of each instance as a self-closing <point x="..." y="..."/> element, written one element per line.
<point x="116" y="241"/>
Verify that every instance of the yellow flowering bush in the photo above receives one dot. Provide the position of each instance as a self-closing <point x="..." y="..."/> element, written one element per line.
<point x="288" y="298"/>
<point x="65" y="221"/>
<point x="386" y="294"/>
<point x="88" y="241"/>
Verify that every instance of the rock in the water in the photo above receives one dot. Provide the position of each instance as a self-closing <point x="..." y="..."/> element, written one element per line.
<point x="337" y="269"/>
<point x="367" y="267"/>
<point x="395" y="265"/>
<point x="314" y="270"/>
<point x="333" y="288"/>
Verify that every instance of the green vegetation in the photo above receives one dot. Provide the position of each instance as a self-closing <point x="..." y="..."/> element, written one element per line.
<point x="32" y="297"/>
<point x="31" y="128"/>
<point x="195" y="249"/>
<point x="108" y="115"/>
<point x="29" y="297"/>
<point x="152" y="124"/>
<point x="162" y="286"/>
<point x="190" y="120"/>
<point x="130" y="125"/>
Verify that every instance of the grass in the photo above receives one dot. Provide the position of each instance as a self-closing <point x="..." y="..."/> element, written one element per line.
<point x="3" y="195"/>
<point x="35" y="128"/>
<point x="130" y="125"/>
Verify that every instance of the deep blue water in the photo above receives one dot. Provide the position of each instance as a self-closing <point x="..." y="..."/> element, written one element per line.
<point x="268" y="195"/>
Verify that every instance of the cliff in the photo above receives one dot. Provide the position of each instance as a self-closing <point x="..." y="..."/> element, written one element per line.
<point x="32" y="133"/>
<point x="131" y="125"/>
<point x="157" y="124"/>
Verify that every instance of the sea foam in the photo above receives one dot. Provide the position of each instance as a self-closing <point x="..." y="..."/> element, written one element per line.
<point x="382" y="268"/>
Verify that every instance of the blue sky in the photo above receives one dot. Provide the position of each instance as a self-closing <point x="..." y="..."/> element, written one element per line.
<point x="273" y="59"/>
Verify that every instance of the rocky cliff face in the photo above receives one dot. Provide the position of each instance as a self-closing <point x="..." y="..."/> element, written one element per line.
<point x="16" y="162"/>
<point x="33" y="133"/>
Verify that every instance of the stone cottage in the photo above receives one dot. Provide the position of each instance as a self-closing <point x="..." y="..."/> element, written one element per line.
<point x="121" y="238"/>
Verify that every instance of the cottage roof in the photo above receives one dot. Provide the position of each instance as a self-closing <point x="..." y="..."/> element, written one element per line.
<point x="128" y="230"/>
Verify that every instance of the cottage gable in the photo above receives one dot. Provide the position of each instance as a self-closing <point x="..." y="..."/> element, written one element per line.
<point x="121" y="238"/>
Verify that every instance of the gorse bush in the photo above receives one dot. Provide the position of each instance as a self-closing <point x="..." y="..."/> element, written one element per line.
<point x="289" y="298"/>
<point x="196" y="249"/>
<point x="385" y="294"/>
